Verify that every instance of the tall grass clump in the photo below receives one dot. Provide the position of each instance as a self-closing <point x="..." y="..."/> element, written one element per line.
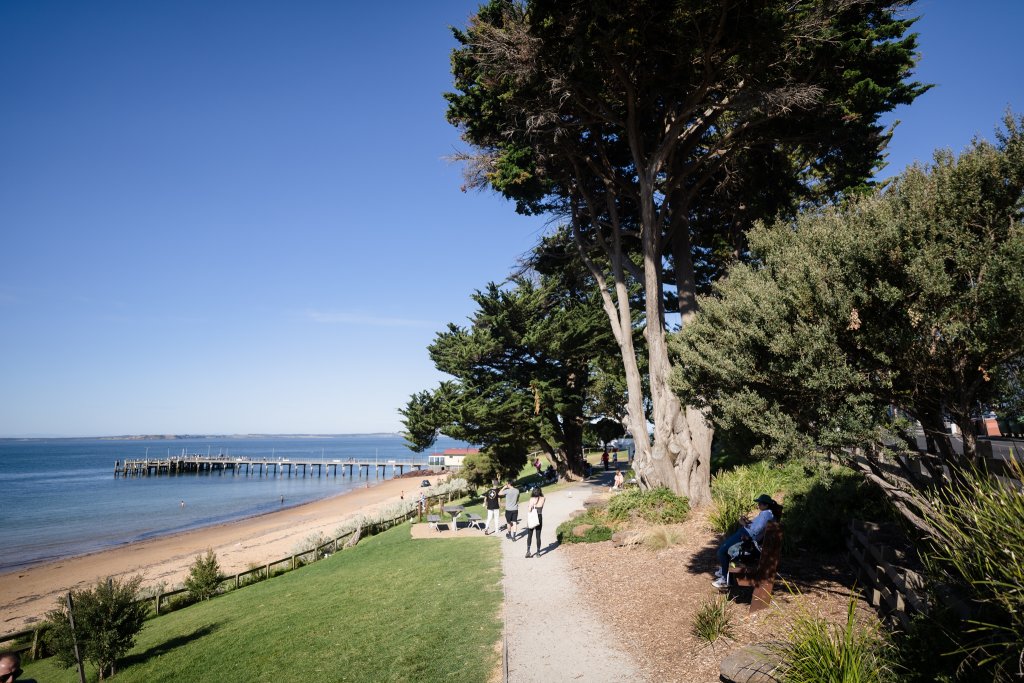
<point x="734" y="491"/>
<point x="820" y="500"/>
<point x="817" y="651"/>
<point x="979" y="552"/>
<point x="713" y="621"/>
<point x="657" y="506"/>
<point x="662" y="537"/>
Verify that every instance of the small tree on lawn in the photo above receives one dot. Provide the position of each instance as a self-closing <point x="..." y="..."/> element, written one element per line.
<point x="203" y="576"/>
<point x="107" y="618"/>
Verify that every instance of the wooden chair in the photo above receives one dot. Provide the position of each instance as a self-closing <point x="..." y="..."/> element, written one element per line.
<point x="762" y="576"/>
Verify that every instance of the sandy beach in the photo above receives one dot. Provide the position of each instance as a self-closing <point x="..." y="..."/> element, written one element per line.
<point x="26" y="594"/>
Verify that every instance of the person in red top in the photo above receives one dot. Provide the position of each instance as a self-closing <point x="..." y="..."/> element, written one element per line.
<point x="604" y="459"/>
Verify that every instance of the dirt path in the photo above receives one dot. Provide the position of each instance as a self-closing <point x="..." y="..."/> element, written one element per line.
<point x="552" y="633"/>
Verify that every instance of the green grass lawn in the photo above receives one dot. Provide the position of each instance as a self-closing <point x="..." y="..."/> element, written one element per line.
<point x="391" y="609"/>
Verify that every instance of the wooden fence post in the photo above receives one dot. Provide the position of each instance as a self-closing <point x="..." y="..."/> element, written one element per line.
<point x="74" y="639"/>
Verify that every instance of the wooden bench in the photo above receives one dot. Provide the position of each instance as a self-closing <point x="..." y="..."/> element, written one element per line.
<point x="433" y="521"/>
<point x="475" y="520"/>
<point x="762" y="576"/>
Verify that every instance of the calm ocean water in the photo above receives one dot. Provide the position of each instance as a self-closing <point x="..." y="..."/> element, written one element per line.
<point x="59" y="497"/>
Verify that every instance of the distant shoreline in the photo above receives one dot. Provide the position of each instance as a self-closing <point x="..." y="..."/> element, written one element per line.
<point x="26" y="593"/>
<point x="182" y="437"/>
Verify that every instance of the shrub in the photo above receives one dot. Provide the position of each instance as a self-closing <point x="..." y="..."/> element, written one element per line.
<point x="657" y="506"/>
<point x="480" y="468"/>
<point x="980" y="553"/>
<point x="713" y="621"/>
<point x="257" y="573"/>
<point x="816" y="651"/>
<point x="107" y="618"/>
<point x="203" y="577"/>
<point x="927" y="650"/>
<point x="351" y="525"/>
<point x="309" y="544"/>
<point x="600" y="531"/>
<point x="819" y="510"/>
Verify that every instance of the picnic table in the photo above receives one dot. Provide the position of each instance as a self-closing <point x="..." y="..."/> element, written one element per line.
<point x="454" y="511"/>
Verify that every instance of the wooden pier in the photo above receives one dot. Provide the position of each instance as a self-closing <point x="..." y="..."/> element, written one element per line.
<point x="260" y="467"/>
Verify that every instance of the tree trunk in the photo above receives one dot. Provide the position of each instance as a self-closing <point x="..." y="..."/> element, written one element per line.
<point x="680" y="457"/>
<point x="573" y="446"/>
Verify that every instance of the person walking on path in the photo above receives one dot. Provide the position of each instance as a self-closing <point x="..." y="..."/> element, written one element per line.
<point x="511" y="494"/>
<point x="547" y="588"/>
<point x="534" y="519"/>
<point x="493" y="503"/>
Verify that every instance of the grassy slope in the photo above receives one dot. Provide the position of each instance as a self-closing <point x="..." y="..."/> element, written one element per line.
<point x="391" y="609"/>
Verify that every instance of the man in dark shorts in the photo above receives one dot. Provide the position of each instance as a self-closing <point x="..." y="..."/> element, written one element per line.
<point x="511" y="494"/>
<point x="492" y="503"/>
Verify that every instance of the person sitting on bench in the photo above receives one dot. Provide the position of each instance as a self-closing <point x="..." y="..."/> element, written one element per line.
<point x="753" y="530"/>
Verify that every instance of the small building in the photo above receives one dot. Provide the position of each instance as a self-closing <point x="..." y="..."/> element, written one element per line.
<point x="450" y="458"/>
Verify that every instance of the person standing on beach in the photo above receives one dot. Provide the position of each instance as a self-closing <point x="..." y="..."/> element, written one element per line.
<point x="492" y="503"/>
<point x="511" y="509"/>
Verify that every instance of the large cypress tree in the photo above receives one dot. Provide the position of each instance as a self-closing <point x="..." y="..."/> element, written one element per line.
<point x="658" y="130"/>
<point x="522" y="373"/>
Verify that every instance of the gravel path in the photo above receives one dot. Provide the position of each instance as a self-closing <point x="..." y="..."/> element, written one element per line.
<point x="551" y="632"/>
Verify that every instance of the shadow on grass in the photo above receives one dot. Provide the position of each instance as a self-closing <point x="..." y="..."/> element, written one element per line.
<point x="166" y="646"/>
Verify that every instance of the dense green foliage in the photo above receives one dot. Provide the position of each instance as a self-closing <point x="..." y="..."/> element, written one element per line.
<point x="203" y="576"/>
<point x="604" y="431"/>
<point x="522" y="375"/>
<point x="980" y="553"/>
<point x="819" y="500"/>
<point x="909" y="297"/>
<point x="107" y="620"/>
<point x="390" y="609"/>
<point x="657" y="506"/>
<point x="657" y="131"/>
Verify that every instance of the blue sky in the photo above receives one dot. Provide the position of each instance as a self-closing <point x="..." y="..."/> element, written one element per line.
<point x="227" y="217"/>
